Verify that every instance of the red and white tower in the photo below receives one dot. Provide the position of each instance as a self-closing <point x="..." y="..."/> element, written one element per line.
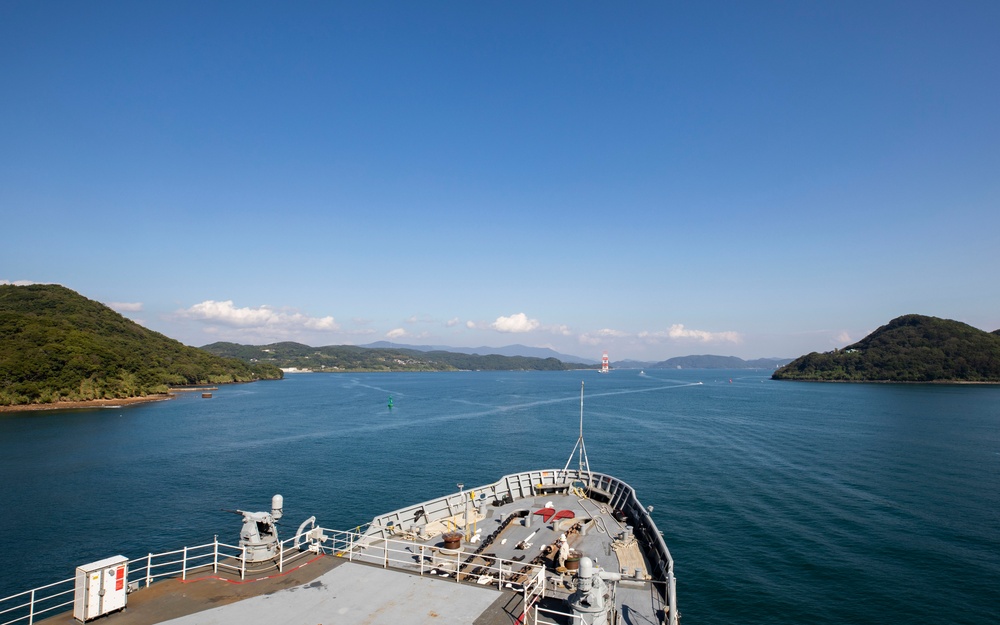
<point x="604" y="363"/>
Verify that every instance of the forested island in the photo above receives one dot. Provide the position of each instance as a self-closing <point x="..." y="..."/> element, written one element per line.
<point x="349" y="358"/>
<point x="61" y="347"/>
<point x="911" y="348"/>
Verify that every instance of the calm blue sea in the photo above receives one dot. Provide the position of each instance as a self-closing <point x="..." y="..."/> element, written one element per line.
<point x="781" y="502"/>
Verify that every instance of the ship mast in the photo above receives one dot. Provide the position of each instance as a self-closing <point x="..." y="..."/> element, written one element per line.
<point x="584" y="463"/>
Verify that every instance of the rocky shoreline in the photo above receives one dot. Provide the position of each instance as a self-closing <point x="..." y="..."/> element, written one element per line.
<point x="93" y="403"/>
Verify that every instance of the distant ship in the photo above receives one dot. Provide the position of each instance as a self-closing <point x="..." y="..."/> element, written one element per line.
<point x="604" y="363"/>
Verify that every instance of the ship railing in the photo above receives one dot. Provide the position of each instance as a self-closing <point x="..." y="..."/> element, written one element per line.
<point x="509" y="488"/>
<point x="214" y="556"/>
<point x="42" y="602"/>
<point x="38" y="603"/>
<point x="460" y="566"/>
<point x="533" y="593"/>
<point x="25" y="608"/>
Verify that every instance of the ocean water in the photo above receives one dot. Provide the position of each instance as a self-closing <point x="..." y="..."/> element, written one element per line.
<point x="781" y="502"/>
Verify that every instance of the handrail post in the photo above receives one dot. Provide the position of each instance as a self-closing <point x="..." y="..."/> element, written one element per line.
<point x="149" y="570"/>
<point x="385" y="554"/>
<point x="243" y="564"/>
<point x="524" y="602"/>
<point x="281" y="557"/>
<point x="215" y="559"/>
<point x="672" y="595"/>
<point x="421" y="560"/>
<point x="184" y="564"/>
<point x="31" y="608"/>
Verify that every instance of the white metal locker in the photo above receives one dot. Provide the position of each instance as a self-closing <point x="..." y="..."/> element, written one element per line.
<point x="101" y="587"/>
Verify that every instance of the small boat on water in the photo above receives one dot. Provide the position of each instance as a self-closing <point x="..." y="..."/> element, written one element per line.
<point x="550" y="546"/>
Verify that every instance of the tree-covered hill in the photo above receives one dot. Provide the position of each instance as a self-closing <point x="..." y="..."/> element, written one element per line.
<point x="60" y="346"/>
<point x="911" y="348"/>
<point x="334" y="358"/>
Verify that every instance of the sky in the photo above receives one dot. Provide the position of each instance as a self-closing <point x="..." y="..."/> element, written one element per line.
<point x="650" y="179"/>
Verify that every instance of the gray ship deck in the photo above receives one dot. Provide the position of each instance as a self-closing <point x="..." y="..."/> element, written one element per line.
<point x="592" y="531"/>
<point x="399" y="570"/>
<point x="329" y="590"/>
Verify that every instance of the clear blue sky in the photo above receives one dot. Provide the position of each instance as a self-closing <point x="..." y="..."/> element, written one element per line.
<point x="655" y="179"/>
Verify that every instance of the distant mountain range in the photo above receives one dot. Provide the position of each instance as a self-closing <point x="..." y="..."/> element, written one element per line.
<point x="720" y="362"/>
<point x="632" y="364"/>
<point x="704" y="362"/>
<point x="681" y="362"/>
<point x="332" y="358"/>
<point x="509" y="350"/>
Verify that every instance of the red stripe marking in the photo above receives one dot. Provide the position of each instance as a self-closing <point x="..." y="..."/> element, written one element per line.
<point x="249" y="581"/>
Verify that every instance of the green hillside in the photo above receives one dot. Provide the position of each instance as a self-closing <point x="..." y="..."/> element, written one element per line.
<point x="333" y="358"/>
<point x="60" y="346"/>
<point x="912" y="348"/>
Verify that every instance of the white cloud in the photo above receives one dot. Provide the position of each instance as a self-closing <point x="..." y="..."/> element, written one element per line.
<point x="608" y="332"/>
<point x="261" y="317"/>
<point x="18" y="282"/>
<point x="515" y="323"/>
<point x="602" y="336"/>
<point x="451" y="323"/>
<point x="678" y="332"/>
<point x="470" y="325"/>
<point x="843" y="338"/>
<point x="126" y="306"/>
